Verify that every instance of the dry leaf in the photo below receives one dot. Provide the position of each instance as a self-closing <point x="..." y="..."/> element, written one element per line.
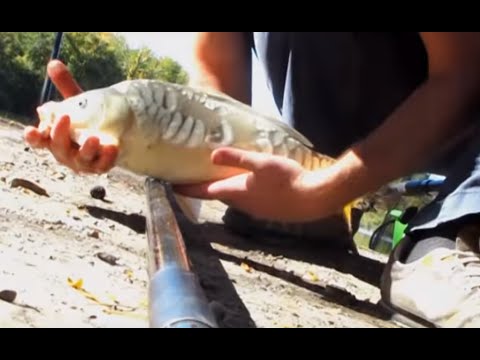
<point x="312" y="276"/>
<point x="114" y="308"/>
<point x="129" y="274"/>
<point x="75" y="284"/>
<point x="246" y="267"/>
<point x="28" y="185"/>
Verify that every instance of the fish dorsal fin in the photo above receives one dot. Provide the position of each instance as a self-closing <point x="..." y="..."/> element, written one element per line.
<point x="226" y="99"/>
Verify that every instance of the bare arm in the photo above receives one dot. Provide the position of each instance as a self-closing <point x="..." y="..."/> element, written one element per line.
<point x="278" y="189"/>
<point x="437" y="110"/>
<point x="223" y="60"/>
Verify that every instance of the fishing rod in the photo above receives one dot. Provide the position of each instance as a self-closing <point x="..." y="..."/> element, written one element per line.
<point x="46" y="93"/>
<point x="176" y="299"/>
<point x="418" y="187"/>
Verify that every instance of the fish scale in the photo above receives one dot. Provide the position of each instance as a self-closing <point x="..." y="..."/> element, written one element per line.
<point x="168" y="131"/>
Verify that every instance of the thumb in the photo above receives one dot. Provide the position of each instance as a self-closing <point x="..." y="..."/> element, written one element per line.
<point x="63" y="79"/>
<point x="249" y="160"/>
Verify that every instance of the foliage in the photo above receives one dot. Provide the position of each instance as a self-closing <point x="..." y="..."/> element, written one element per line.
<point x="372" y="220"/>
<point x="97" y="59"/>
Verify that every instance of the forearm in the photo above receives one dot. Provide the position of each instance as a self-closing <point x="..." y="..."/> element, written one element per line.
<point x="223" y="63"/>
<point x="406" y="141"/>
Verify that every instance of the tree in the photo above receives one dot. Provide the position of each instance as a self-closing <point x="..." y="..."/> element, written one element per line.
<point x="93" y="58"/>
<point x="142" y="64"/>
<point x="97" y="59"/>
<point x="19" y="86"/>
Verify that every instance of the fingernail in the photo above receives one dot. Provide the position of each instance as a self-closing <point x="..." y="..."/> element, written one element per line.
<point x="87" y="159"/>
<point x="52" y="64"/>
<point x="45" y="133"/>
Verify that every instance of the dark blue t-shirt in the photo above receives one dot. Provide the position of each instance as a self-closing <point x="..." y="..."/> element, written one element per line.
<point x="336" y="87"/>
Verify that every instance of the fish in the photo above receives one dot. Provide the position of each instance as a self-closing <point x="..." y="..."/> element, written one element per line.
<point x="168" y="131"/>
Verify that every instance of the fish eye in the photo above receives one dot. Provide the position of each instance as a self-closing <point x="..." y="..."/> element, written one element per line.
<point x="83" y="103"/>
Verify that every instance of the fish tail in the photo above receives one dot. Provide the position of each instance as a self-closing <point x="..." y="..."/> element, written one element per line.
<point x="347" y="213"/>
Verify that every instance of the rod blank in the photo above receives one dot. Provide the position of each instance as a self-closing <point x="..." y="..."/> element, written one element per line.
<point x="176" y="299"/>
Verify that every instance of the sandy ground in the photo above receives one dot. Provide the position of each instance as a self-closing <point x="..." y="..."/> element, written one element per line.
<point x="53" y="246"/>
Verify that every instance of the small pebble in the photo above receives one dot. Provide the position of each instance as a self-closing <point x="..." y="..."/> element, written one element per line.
<point x="8" y="295"/>
<point x="98" y="192"/>
<point x="109" y="259"/>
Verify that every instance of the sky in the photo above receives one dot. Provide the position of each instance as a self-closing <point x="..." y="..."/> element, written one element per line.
<point x="179" y="46"/>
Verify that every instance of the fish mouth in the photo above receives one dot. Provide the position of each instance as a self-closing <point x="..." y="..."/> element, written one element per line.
<point x="46" y="116"/>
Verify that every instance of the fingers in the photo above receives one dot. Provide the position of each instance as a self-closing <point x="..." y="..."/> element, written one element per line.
<point x="106" y="161"/>
<point x="248" y="160"/>
<point x="221" y="190"/>
<point x="35" y="138"/>
<point x="63" y="79"/>
<point x="91" y="157"/>
<point x="199" y="191"/>
<point x="87" y="154"/>
<point x="61" y="145"/>
<point x="195" y="191"/>
<point x="229" y="188"/>
<point x="95" y="158"/>
<point x="89" y="150"/>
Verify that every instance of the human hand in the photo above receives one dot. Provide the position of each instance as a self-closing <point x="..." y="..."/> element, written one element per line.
<point x="274" y="188"/>
<point x="91" y="157"/>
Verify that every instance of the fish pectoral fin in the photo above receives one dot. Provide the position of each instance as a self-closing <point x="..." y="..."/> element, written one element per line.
<point x="190" y="207"/>
<point x="81" y="135"/>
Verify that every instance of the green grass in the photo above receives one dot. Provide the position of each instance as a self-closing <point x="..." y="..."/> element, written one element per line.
<point x="361" y="240"/>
